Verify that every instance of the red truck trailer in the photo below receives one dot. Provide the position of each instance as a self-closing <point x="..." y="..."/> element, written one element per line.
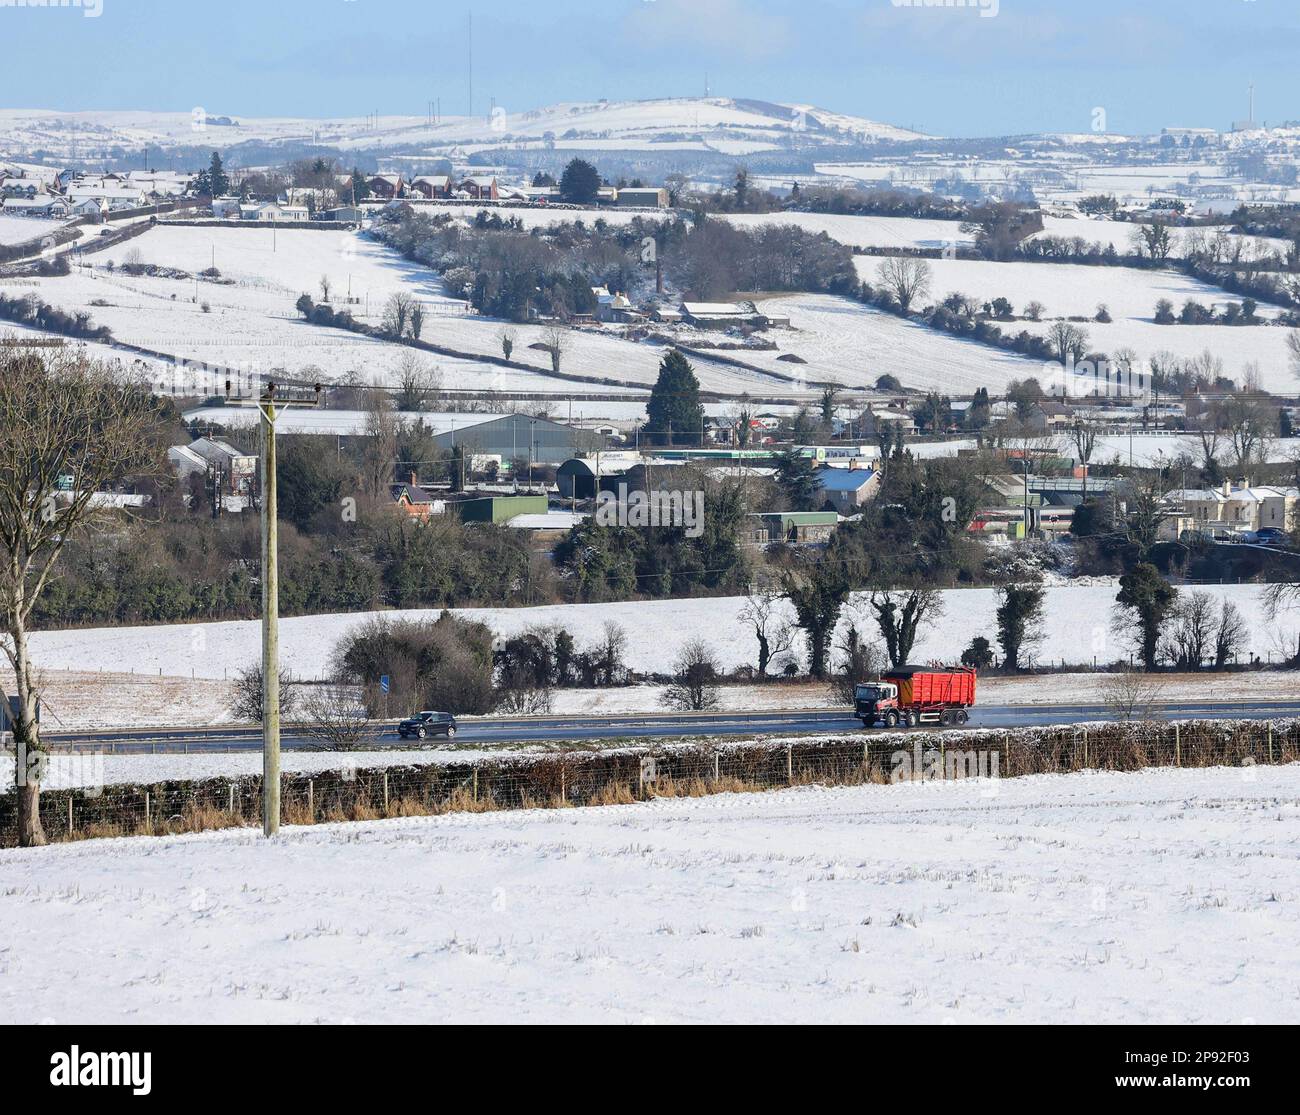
<point x="912" y="695"/>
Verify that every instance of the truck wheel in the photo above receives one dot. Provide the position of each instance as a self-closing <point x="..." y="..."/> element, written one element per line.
<point x="963" y="716"/>
<point x="945" y="719"/>
<point x="891" y="720"/>
<point x="909" y="721"/>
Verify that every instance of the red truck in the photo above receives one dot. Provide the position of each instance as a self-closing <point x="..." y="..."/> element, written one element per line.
<point x="912" y="695"/>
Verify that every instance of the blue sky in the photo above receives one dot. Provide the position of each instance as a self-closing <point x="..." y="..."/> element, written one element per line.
<point x="1038" y="65"/>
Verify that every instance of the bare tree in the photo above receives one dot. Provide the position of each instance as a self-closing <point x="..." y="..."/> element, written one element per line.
<point x="61" y="415"/>
<point x="379" y="452"/>
<point x="1131" y="695"/>
<point x="324" y="288"/>
<point x="1068" y="341"/>
<point x="336" y="718"/>
<point x="860" y="659"/>
<point x="900" y="616"/>
<point x="906" y="278"/>
<point x="1293" y="351"/>
<point x="247" y="701"/>
<point x="418" y="383"/>
<point x="1082" y="438"/>
<point x="1250" y="429"/>
<point x="556" y="340"/>
<point x="764" y="611"/>
<point x="1231" y="636"/>
<point x="1146" y="509"/>
<point x="397" y="313"/>
<point x="695" y="678"/>
<point x="613" y="647"/>
<point x="1192" y="631"/>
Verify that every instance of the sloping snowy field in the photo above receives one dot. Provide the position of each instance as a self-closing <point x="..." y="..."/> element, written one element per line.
<point x="1076" y="628"/>
<point x="1160" y="897"/>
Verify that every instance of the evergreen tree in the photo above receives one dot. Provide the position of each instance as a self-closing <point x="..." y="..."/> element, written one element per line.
<point x="1019" y="615"/>
<point x="674" y="408"/>
<point x="360" y="188"/>
<point x="1148" y="598"/>
<point x="580" y="183"/>
<point x="218" y="180"/>
<point x="796" y="476"/>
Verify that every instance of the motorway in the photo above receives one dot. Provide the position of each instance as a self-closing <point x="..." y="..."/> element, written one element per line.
<point x="479" y="733"/>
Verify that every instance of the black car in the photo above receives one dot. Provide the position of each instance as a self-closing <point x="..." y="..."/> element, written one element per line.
<point x="425" y="724"/>
<point x="1270" y="536"/>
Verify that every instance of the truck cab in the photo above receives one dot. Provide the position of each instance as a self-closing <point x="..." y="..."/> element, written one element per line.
<point x="876" y="702"/>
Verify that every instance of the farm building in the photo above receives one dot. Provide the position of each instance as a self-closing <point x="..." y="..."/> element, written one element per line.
<point x="521" y="437"/>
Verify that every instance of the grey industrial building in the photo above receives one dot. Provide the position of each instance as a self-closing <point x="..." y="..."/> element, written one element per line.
<point x="522" y="437"/>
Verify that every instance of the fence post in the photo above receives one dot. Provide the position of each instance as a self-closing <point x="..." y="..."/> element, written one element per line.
<point x="1006" y="747"/>
<point x="1178" y="746"/>
<point x="716" y="773"/>
<point x="148" y="824"/>
<point x="789" y="763"/>
<point x="476" y="785"/>
<point x="1270" y="741"/>
<point x="69" y="812"/>
<point x="564" y="780"/>
<point x="386" y="791"/>
<point x="1085" y="747"/>
<point x="232" y="798"/>
<point x="311" y="800"/>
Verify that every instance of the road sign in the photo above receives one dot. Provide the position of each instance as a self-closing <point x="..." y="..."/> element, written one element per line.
<point x="383" y="684"/>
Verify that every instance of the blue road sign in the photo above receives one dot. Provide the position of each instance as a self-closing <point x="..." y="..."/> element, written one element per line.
<point x="383" y="684"/>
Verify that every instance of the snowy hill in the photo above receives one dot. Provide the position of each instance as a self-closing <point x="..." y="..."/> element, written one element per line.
<point x="713" y="123"/>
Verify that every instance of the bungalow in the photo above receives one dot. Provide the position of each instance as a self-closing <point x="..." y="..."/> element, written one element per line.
<point x="113" y="196"/>
<point x="847" y="489"/>
<point x="93" y="207"/>
<point x="432" y="185"/>
<point x="274" y="211"/>
<point x="42" y="205"/>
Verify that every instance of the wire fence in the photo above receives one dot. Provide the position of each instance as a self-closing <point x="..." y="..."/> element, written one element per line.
<point x="567" y="778"/>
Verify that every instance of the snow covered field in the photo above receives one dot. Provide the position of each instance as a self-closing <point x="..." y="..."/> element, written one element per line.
<point x="1076" y="627"/>
<point x="846" y="342"/>
<point x="1163" y="896"/>
<point x="17" y="230"/>
<point x="251" y="323"/>
<point x="865" y="232"/>
<point x="1065" y="289"/>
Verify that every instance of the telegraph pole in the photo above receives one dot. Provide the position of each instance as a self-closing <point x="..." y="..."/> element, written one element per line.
<point x="270" y="624"/>
<point x="267" y="408"/>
